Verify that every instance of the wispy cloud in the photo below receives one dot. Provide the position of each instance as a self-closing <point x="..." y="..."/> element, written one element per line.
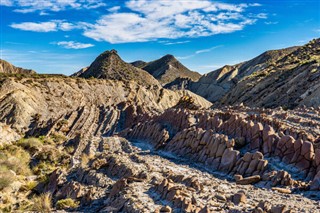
<point x="174" y="43"/>
<point x="28" y="6"/>
<point x="114" y="9"/>
<point x="198" y="52"/>
<point x="262" y="15"/>
<point x="271" y="22"/>
<point x="73" y="45"/>
<point x="49" y="26"/>
<point x="207" y="50"/>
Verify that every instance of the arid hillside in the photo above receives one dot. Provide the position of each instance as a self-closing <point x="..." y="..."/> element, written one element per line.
<point x="287" y="77"/>
<point x="112" y="139"/>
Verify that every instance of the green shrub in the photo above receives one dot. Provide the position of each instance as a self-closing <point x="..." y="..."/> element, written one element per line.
<point x="30" y="185"/>
<point x="67" y="204"/>
<point x="58" y="138"/>
<point x="43" y="168"/>
<point x="49" y="153"/>
<point x="31" y="144"/>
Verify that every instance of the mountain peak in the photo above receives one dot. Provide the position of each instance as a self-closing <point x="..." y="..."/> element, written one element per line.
<point x="168" y="68"/>
<point x="168" y="56"/>
<point x="109" y="65"/>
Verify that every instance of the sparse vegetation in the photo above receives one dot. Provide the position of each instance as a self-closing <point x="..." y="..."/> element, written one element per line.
<point x="67" y="204"/>
<point x="30" y="156"/>
<point x="5" y="177"/>
<point x="42" y="203"/>
<point x="16" y="159"/>
<point x="31" y="144"/>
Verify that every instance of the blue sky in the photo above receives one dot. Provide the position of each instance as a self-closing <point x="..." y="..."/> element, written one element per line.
<point x="62" y="36"/>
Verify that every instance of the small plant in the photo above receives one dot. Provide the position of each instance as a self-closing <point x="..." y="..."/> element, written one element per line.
<point x="58" y="138"/>
<point x="69" y="149"/>
<point x="5" y="178"/>
<point x="42" y="203"/>
<point x="67" y="204"/>
<point x="31" y="144"/>
<point x="16" y="159"/>
<point x="30" y="185"/>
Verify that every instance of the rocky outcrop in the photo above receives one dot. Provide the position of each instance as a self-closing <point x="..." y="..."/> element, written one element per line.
<point x="40" y="106"/>
<point x="214" y="138"/>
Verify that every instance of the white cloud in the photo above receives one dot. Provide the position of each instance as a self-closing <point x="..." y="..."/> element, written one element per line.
<point x="146" y="20"/>
<point x="114" y="9"/>
<point x="36" y="27"/>
<point x="198" y="52"/>
<point x="151" y="20"/>
<point x="28" y="6"/>
<point x="7" y="3"/>
<point x="73" y="45"/>
<point x="49" y="26"/>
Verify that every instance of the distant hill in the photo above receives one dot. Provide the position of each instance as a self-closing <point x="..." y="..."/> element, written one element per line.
<point x="167" y="69"/>
<point x="6" y="67"/>
<point x="286" y="77"/>
<point x="109" y="65"/>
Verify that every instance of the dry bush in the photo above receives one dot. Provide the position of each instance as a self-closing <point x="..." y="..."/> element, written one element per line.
<point x="31" y="144"/>
<point x="42" y="203"/>
<point x="5" y="177"/>
<point x="16" y="159"/>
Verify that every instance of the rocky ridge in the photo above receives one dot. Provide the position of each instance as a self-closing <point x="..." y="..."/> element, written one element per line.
<point x="6" y="67"/>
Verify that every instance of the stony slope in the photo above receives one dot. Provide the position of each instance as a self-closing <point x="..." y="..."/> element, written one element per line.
<point x="109" y="65"/>
<point x="6" y="67"/>
<point x="93" y="107"/>
<point x="167" y="69"/>
<point x="286" y="77"/>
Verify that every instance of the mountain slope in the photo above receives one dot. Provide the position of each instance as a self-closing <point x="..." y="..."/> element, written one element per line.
<point x="168" y="68"/>
<point x="139" y="64"/>
<point x="109" y="65"/>
<point x="6" y="67"/>
<point x="290" y="73"/>
<point x="291" y="81"/>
